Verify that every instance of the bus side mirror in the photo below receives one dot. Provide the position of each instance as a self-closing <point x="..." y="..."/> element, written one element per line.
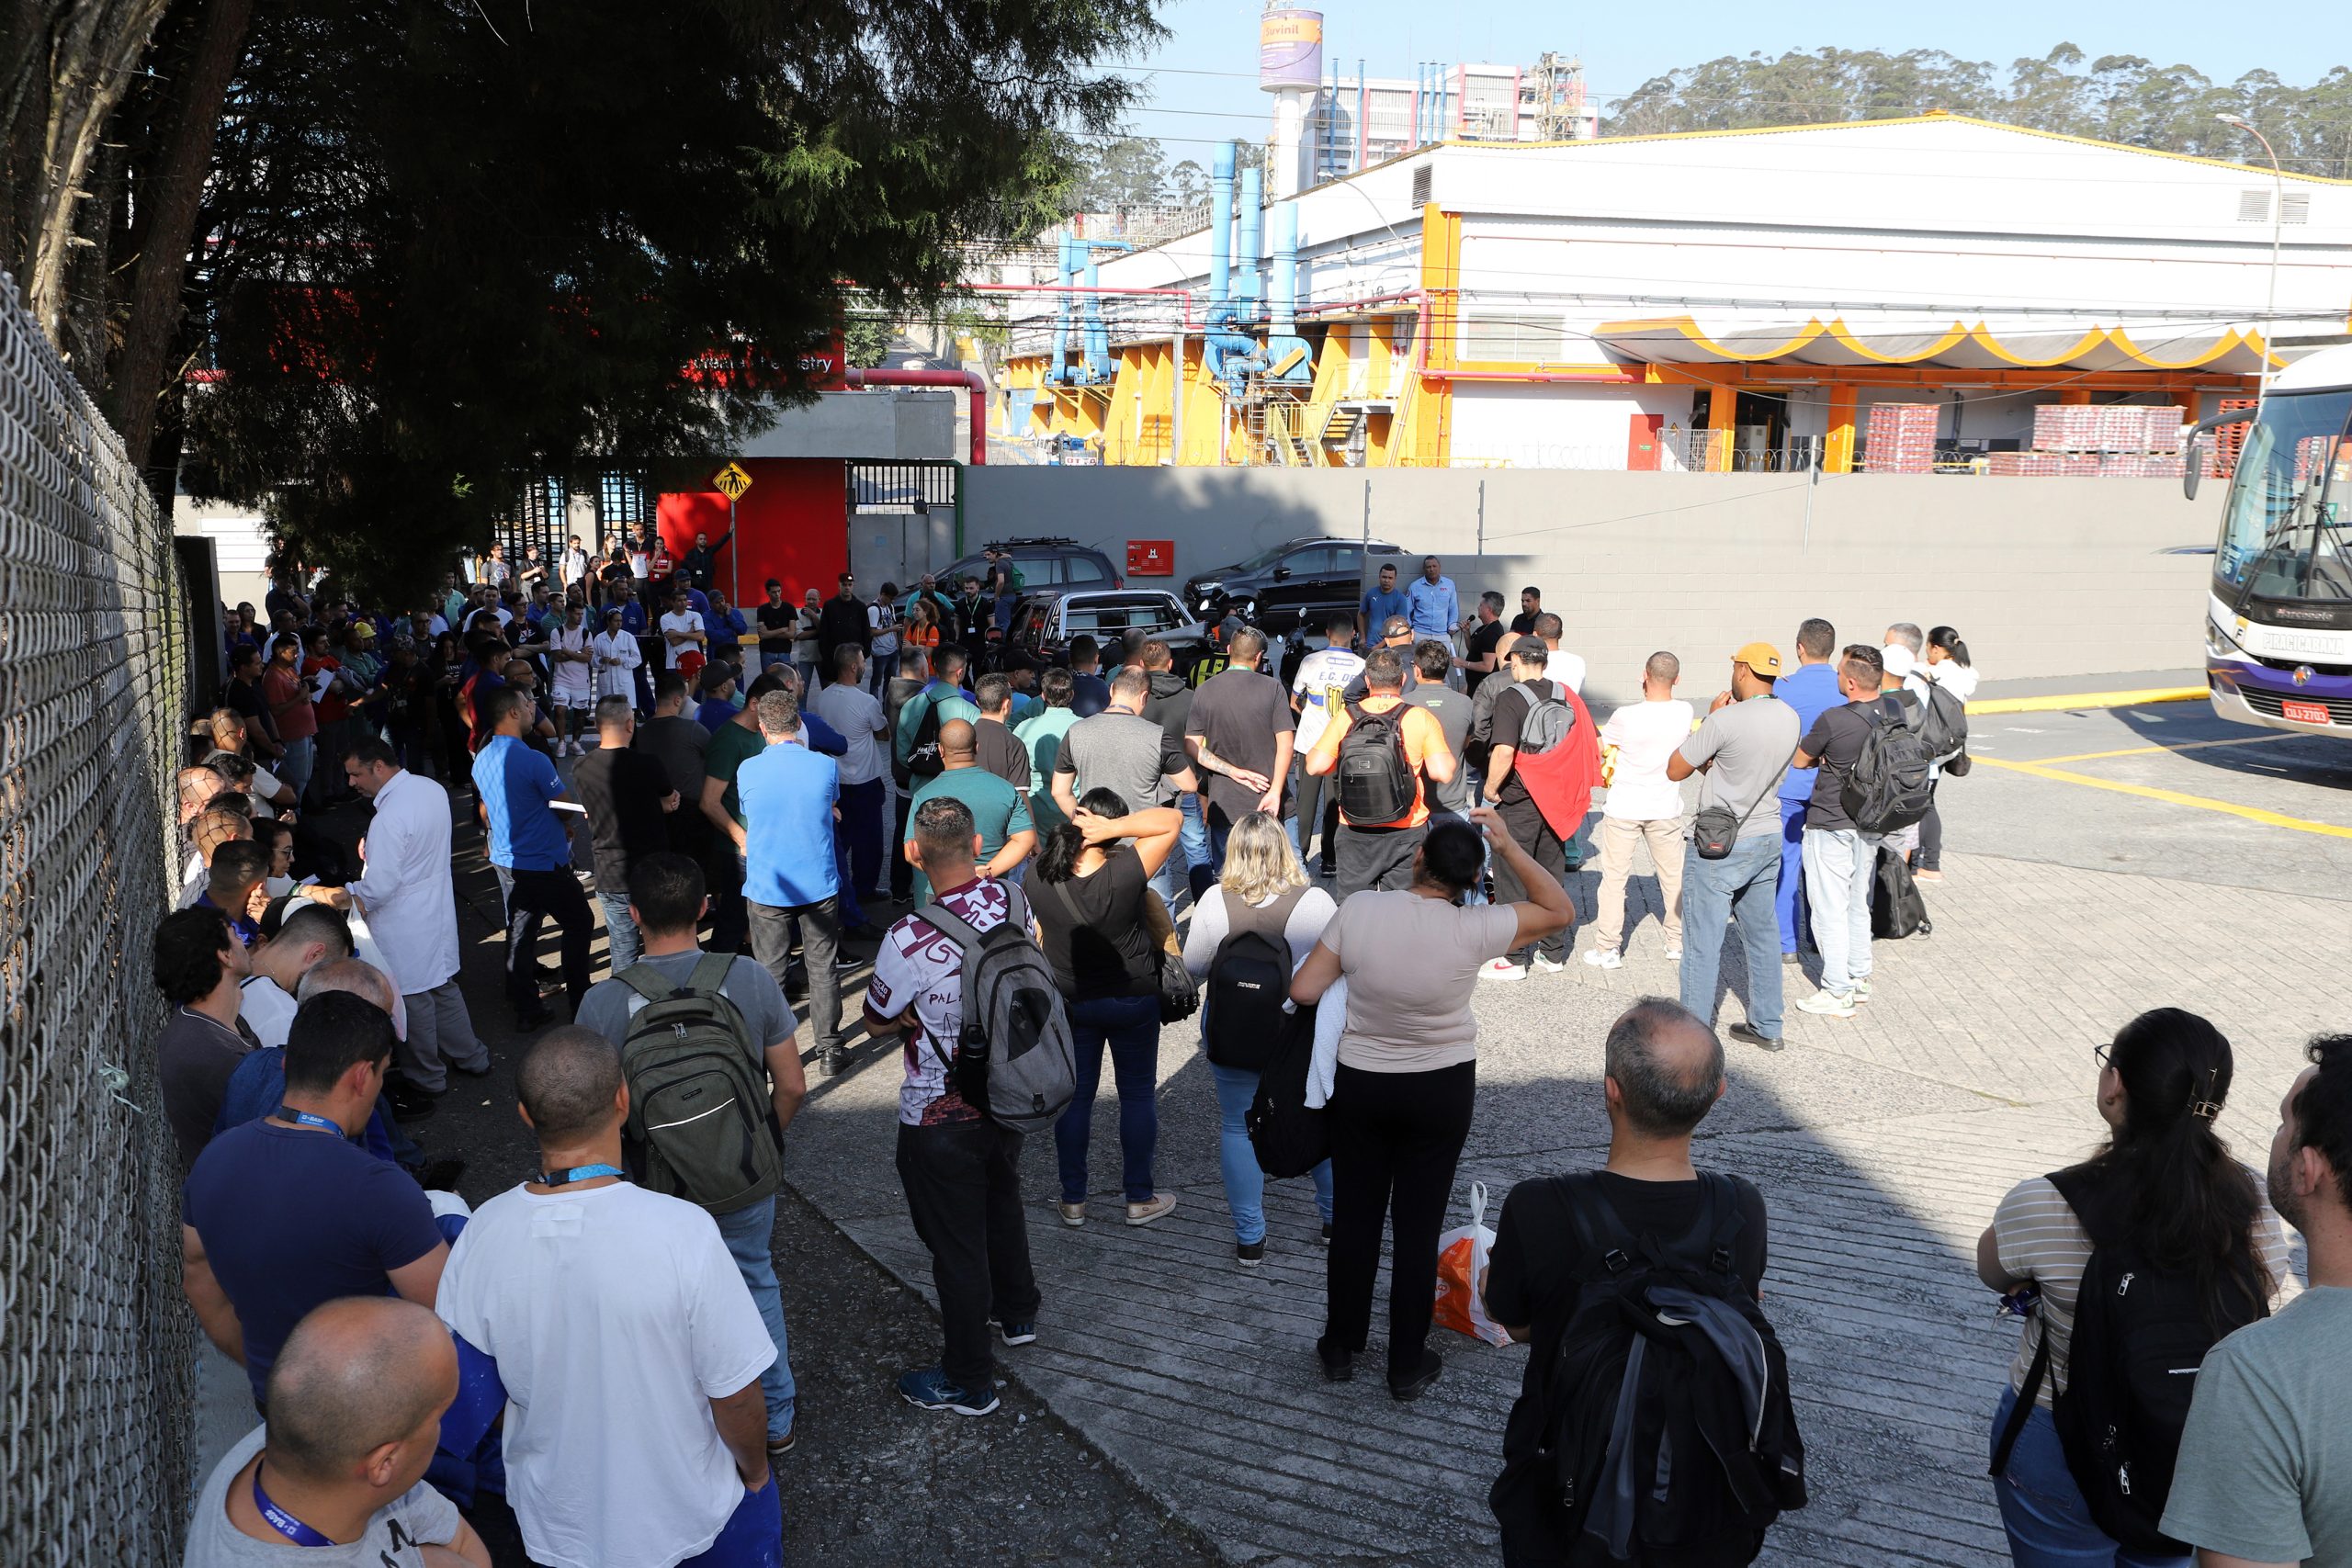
<point x="2190" y="468"/>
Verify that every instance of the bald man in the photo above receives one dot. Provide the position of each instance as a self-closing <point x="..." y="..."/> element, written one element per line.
<point x="999" y="811"/>
<point x="356" y="1400"/>
<point x="1665" y="1072"/>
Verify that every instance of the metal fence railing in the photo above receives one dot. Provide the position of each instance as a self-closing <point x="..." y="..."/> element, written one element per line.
<point x="97" y="1344"/>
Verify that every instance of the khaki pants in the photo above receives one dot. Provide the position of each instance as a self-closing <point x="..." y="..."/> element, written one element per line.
<point x="1618" y="837"/>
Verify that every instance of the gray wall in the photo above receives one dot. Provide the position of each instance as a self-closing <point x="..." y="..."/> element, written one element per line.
<point x="882" y="422"/>
<point x="2041" y="576"/>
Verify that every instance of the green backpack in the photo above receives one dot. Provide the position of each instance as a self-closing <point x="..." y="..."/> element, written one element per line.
<point x="697" y="1090"/>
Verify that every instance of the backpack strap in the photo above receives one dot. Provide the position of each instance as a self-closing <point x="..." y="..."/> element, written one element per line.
<point x="710" y="973"/>
<point x="1601" y="1231"/>
<point x="647" y="982"/>
<point x="1271" y="918"/>
<point x="2027" y="1396"/>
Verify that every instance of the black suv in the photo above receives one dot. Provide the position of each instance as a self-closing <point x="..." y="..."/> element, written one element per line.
<point x="1298" y="581"/>
<point x="1037" y="563"/>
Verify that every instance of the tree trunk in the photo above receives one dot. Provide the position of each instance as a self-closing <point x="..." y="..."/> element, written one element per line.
<point x="168" y="200"/>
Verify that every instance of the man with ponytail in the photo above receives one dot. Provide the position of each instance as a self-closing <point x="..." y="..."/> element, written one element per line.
<point x="2266" y="1463"/>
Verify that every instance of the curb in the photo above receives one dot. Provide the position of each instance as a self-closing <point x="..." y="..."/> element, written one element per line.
<point x="2089" y="699"/>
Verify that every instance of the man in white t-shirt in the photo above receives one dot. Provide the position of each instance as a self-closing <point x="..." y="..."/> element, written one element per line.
<point x="1314" y="694"/>
<point x="1643" y="805"/>
<point x="1559" y="664"/>
<point x="960" y="1169"/>
<point x="682" y="630"/>
<point x="571" y="662"/>
<point x="310" y="934"/>
<point x="631" y="1352"/>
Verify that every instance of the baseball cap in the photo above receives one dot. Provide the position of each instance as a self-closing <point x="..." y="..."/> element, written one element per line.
<point x="1529" y="648"/>
<point x="1898" y="661"/>
<point x="1760" y="657"/>
<point x="717" y="673"/>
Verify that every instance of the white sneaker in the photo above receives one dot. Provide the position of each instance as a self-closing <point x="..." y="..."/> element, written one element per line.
<point x="1500" y="969"/>
<point x="1828" y="1004"/>
<point x="1674" y="956"/>
<point x="1542" y="966"/>
<point x="1861" y="991"/>
<point x="1603" y="958"/>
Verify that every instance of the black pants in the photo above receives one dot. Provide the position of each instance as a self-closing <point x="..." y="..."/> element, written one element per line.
<point x="1929" y="856"/>
<point x="1318" y="812"/>
<point x="962" y="1183"/>
<point x="1534" y="835"/>
<point x="533" y="896"/>
<point x="819" y="926"/>
<point x="902" y="875"/>
<point x="1395" y="1139"/>
<point x="730" y="921"/>
<point x="1376" y="857"/>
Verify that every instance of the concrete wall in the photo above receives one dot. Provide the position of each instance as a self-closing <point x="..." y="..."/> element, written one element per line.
<point x="2042" y="576"/>
<point x="881" y="423"/>
<point x="240" y="541"/>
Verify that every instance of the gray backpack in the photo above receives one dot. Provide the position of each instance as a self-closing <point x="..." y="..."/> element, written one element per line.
<point x="1014" y="1060"/>
<point x="1548" y="719"/>
<point x="699" y="1103"/>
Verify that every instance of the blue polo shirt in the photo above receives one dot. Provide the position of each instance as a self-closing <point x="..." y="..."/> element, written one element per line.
<point x="515" y="785"/>
<point x="1433" y="608"/>
<point x="1377" y="607"/>
<point x="789" y="793"/>
<point x="1811" y="689"/>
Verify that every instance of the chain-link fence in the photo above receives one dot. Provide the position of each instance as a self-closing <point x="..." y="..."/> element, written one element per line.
<point x="96" y="1346"/>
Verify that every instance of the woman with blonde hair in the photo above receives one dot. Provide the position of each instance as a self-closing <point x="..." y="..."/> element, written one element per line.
<point x="1263" y="889"/>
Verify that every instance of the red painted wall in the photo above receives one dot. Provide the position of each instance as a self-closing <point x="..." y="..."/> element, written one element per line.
<point x="792" y="524"/>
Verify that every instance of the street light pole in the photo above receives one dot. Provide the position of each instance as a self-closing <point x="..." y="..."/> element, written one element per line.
<point x="2278" y="218"/>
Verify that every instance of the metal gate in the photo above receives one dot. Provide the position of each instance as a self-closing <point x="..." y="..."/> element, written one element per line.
<point x="905" y="518"/>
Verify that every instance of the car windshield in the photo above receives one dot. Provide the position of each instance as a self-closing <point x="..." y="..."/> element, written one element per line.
<point x="1130" y="613"/>
<point x="2285" y="530"/>
<point x="1264" y="557"/>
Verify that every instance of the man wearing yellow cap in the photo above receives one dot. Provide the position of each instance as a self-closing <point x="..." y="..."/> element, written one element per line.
<point x="1740" y="752"/>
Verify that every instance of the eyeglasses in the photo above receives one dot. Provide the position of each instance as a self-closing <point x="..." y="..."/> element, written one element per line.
<point x="2100" y="1052"/>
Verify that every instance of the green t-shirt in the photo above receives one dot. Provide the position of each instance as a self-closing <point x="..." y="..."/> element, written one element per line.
<point x="728" y="749"/>
<point x="951" y="703"/>
<point x="999" y="811"/>
<point x="1042" y="739"/>
<point x="2266" y="1462"/>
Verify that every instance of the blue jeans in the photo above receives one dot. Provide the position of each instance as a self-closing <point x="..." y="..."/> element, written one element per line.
<point x="752" y="1536"/>
<point x="622" y="945"/>
<point x="1716" y="892"/>
<point x="1245" y="1181"/>
<point x="2049" y="1524"/>
<point x="748" y="1233"/>
<point x="1839" y="865"/>
<point x="293" y="770"/>
<point x="1788" y="894"/>
<point x="1194" y="841"/>
<point x="1130" y="1027"/>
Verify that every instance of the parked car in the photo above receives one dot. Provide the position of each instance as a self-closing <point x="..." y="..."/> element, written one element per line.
<point x="1294" y="583"/>
<point x="1047" y="618"/>
<point x="1039" y="563"/>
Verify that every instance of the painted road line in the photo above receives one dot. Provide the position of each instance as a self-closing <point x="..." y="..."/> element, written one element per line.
<point x="2089" y="699"/>
<point x="2175" y="797"/>
<point x="2151" y="751"/>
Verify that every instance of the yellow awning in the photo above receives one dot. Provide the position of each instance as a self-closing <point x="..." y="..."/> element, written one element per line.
<point x="1682" y="339"/>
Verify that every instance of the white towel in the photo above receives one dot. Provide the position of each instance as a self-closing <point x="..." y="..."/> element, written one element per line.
<point x="1330" y="1017"/>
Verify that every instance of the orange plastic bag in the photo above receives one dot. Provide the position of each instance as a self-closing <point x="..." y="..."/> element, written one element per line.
<point x="1461" y="1275"/>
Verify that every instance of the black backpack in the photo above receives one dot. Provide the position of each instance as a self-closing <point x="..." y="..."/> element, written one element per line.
<point x="922" y="759"/>
<point x="698" y="1106"/>
<point x="1896" y="909"/>
<point x="1248" y="981"/>
<point x="1288" y="1138"/>
<point x="1668" y="1435"/>
<point x="1889" y="787"/>
<point x="1943" y="723"/>
<point x="1375" y="781"/>
<point x="2141" y="1334"/>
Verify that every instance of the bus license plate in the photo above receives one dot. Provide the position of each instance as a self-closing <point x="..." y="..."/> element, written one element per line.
<point x="2304" y="712"/>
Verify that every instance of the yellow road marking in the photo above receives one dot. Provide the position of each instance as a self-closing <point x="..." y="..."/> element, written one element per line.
<point x="2089" y="699"/>
<point x="2151" y="751"/>
<point x="2175" y="797"/>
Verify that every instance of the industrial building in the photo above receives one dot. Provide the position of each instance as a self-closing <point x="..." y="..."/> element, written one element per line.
<point x="1713" y="301"/>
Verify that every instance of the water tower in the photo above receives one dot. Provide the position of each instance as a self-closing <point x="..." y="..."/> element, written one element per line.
<point x="1290" y="66"/>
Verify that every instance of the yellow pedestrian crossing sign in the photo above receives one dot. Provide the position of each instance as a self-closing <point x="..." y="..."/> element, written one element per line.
<point x="731" y="481"/>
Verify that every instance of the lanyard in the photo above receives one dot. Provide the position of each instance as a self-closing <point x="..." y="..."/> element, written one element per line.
<point x="578" y="1173"/>
<point x="305" y="1119"/>
<point x="283" y="1522"/>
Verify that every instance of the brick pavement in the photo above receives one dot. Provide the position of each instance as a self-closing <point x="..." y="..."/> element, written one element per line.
<point x="1882" y="1146"/>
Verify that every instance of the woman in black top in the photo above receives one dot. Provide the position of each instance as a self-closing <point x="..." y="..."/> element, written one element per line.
<point x="1088" y="892"/>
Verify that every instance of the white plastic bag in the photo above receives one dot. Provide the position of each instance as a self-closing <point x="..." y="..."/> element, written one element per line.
<point x="1461" y="1275"/>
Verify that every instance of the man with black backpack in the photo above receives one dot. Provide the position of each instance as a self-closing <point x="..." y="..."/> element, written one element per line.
<point x="957" y="1157"/>
<point x="684" y="1020"/>
<point x="1378" y="750"/>
<point x="1635" y="1283"/>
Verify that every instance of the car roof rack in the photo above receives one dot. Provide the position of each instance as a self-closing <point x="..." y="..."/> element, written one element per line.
<point x="1053" y="542"/>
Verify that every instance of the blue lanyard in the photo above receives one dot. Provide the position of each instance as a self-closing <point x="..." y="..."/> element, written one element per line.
<point x="305" y="1119"/>
<point x="578" y="1173"/>
<point x="283" y="1522"/>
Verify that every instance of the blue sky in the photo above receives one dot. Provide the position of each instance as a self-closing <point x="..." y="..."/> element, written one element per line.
<point x="1206" y="87"/>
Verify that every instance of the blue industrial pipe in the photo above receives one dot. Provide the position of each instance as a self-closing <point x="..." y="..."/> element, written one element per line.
<point x="1058" y="368"/>
<point x="1251" y="296"/>
<point x="1220" y="230"/>
<point x="1288" y="357"/>
<point x="1097" y="333"/>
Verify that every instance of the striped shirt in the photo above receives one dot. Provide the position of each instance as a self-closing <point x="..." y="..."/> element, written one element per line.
<point x="2040" y="1240"/>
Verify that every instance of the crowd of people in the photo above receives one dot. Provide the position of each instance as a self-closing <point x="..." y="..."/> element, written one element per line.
<point x="1321" y="850"/>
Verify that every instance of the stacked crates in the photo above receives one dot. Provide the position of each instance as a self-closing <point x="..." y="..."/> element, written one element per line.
<point x="1901" y="438"/>
<point x="2117" y="441"/>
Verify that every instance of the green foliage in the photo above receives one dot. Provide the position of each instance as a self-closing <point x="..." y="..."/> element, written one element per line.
<point x="1114" y="173"/>
<point x="2117" y="98"/>
<point x="460" y="243"/>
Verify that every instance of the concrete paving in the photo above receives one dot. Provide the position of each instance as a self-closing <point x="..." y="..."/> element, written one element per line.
<point x="1881" y="1145"/>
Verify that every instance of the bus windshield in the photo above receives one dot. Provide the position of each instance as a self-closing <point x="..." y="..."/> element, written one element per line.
<point x="2286" y="531"/>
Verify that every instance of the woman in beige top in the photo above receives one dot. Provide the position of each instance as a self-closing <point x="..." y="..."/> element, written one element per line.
<point x="1401" y="1098"/>
<point x="2165" y="1186"/>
